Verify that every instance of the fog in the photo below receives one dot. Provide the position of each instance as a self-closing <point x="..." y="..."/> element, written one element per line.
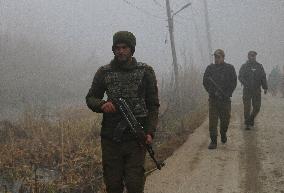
<point x="50" y="50"/>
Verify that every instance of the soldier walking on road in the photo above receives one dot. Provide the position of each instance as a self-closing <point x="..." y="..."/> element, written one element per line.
<point x="220" y="81"/>
<point x="274" y="80"/>
<point x="282" y="82"/>
<point x="253" y="77"/>
<point x="122" y="157"/>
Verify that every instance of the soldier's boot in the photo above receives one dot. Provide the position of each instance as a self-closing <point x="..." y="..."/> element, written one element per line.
<point x="251" y="121"/>
<point x="213" y="143"/>
<point x="247" y="123"/>
<point x="247" y="127"/>
<point x="223" y="137"/>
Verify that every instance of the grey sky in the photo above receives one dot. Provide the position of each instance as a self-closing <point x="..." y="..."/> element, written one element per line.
<point x="83" y="29"/>
<point x="50" y="50"/>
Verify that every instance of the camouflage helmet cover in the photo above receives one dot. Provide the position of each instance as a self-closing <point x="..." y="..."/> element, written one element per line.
<point x="124" y="37"/>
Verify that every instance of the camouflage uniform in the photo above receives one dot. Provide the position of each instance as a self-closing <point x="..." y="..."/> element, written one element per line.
<point x="123" y="163"/>
<point x="219" y="106"/>
<point x="252" y="76"/>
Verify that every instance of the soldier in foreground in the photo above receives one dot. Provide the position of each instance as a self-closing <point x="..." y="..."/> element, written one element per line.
<point x="252" y="76"/>
<point x="122" y="158"/>
<point x="220" y="80"/>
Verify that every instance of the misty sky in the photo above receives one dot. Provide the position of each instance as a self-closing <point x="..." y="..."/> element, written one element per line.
<point x="83" y="29"/>
<point x="50" y="49"/>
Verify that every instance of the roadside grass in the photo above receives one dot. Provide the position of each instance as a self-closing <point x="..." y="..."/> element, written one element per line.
<point x="61" y="152"/>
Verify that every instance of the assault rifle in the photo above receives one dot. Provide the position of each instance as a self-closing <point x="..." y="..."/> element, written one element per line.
<point x="136" y="128"/>
<point x="218" y="87"/>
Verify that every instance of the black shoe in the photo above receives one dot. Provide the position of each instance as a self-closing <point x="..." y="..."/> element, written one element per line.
<point x="247" y="127"/>
<point x="251" y="121"/>
<point x="247" y="123"/>
<point x="223" y="138"/>
<point x="212" y="145"/>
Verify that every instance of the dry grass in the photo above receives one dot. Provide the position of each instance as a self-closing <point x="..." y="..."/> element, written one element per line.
<point x="71" y="145"/>
<point x="68" y="142"/>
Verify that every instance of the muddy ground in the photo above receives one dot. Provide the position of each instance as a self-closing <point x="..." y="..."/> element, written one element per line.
<point x="251" y="162"/>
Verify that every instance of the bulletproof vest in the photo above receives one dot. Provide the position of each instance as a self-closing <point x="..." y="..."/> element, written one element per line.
<point x="127" y="85"/>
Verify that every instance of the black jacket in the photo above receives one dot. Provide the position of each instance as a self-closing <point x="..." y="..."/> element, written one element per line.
<point x="252" y="76"/>
<point x="94" y="98"/>
<point x="224" y="75"/>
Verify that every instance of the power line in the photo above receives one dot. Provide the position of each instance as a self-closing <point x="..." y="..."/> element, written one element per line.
<point x="142" y="10"/>
<point x="183" y="17"/>
<point x="186" y="20"/>
<point x="159" y="4"/>
<point x="183" y="7"/>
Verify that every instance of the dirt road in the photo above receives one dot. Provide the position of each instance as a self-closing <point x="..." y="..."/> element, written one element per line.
<point x="251" y="162"/>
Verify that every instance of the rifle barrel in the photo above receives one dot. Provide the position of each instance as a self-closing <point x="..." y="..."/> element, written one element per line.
<point x="133" y="124"/>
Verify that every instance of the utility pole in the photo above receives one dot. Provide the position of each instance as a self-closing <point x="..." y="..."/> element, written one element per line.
<point x="207" y="23"/>
<point x="172" y="38"/>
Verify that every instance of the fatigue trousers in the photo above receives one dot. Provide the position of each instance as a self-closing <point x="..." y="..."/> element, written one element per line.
<point x="251" y="99"/>
<point x="123" y="165"/>
<point x="282" y="88"/>
<point x="219" y="109"/>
